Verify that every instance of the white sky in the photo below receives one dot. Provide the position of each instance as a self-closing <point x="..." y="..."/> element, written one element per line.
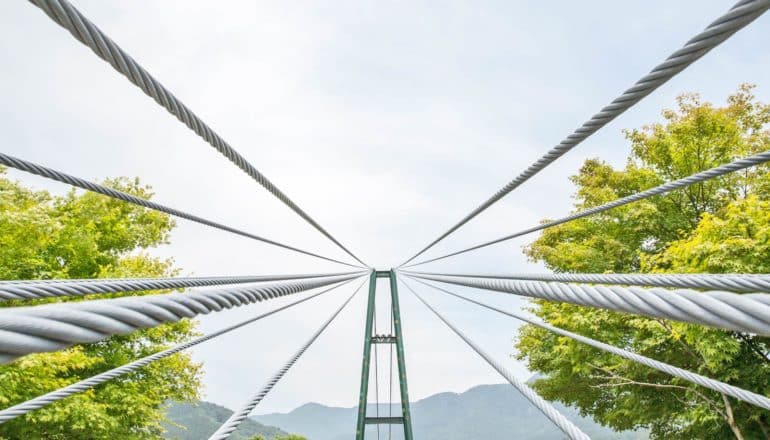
<point x="386" y="121"/>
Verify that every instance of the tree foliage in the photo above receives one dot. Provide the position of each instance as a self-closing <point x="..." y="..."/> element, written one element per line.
<point x="719" y="226"/>
<point x="85" y="235"/>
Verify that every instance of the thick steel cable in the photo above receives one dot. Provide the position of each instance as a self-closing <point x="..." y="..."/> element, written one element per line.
<point x="741" y="283"/>
<point x="50" y="173"/>
<point x="68" y="17"/>
<point x="231" y="424"/>
<point x="743" y="13"/>
<point x="567" y="427"/>
<point x="86" y="384"/>
<point x="51" y="327"/>
<point x="36" y="289"/>
<point x="702" y="176"/>
<point x="748" y="312"/>
<point x="721" y="387"/>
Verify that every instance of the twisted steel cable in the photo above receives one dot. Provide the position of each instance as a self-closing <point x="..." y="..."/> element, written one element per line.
<point x="35" y="289"/>
<point x="231" y="424"/>
<point x="49" y="173"/>
<point x="740" y="15"/>
<point x="86" y="384"/>
<point x="712" y="173"/>
<point x="225" y="279"/>
<point x="729" y="390"/>
<point x="742" y="313"/>
<point x="567" y="427"/>
<point x="51" y="327"/>
<point x="741" y="283"/>
<point x="68" y="17"/>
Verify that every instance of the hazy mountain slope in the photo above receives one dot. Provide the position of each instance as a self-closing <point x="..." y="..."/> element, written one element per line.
<point x="483" y="412"/>
<point x="323" y="422"/>
<point x="203" y="418"/>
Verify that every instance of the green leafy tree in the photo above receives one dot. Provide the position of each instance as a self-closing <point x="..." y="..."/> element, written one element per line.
<point x="719" y="226"/>
<point x="85" y="235"/>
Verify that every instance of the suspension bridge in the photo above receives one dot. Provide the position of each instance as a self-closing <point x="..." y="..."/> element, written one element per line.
<point x="734" y="302"/>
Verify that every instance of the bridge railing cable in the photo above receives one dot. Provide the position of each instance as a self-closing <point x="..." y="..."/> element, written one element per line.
<point x="740" y="283"/>
<point x="740" y="15"/>
<point x="730" y="311"/>
<point x="567" y="427"/>
<point x="721" y="387"/>
<point x="702" y="176"/>
<point x="37" y="289"/>
<point x="232" y="423"/>
<point x="68" y="17"/>
<point x="52" y="327"/>
<point x="59" y="176"/>
<point x="86" y="384"/>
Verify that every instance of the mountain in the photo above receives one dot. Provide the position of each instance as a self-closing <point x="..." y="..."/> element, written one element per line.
<point x="322" y="421"/>
<point x="482" y="412"/>
<point x="199" y="420"/>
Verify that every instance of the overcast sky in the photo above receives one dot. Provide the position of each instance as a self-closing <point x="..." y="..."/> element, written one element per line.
<point x="386" y="121"/>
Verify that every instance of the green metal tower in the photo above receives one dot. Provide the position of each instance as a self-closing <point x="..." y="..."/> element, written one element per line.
<point x="405" y="419"/>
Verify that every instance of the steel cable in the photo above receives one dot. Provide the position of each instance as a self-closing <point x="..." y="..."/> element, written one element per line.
<point x="740" y="15"/>
<point x="741" y="283"/>
<point x="36" y="289"/>
<point x="567" y="427"/>
<point x="742" y="313"/>
<point x="721" y="387"/>
<point x="86" y="384"/>
<point x="232" y="423"/>
<point x="736" y="165"/>
<point x="68" y="17"/>
<point x="49" y="173"/>
<point x="51" y="327"/>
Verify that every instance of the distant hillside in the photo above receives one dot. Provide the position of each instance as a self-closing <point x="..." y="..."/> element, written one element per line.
<point x="200" y="420"/>
<point x="483" y="412"/>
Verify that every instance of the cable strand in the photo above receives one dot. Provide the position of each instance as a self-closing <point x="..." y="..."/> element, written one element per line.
<point x="52" y="327"/>
<point x="748" y="313"/>
<point x="713" y="384"/>
<point x="740" y="15"/>
<point x="67" y="16"/>
<point x="232" y="423"/>
<point x="37" y="289"/>
<point x="567" y="427"/>
<point x="86" y="384"/>
<point x="702" y="176"/>
<point x="59" y="176"/>
<point x="739" y="283"/>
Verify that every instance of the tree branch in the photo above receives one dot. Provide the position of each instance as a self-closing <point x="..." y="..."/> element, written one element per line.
<point x="731" y="419"/>
<point x="627" y="381"/>
<point x="752" y="345"/>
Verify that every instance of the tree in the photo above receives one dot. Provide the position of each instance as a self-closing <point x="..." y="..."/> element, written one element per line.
<point x="85" y="235"/>
<point x="718" y="226"/>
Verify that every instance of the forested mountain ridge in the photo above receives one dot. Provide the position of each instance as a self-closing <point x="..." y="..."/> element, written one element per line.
<point x="197" y="421"/>
<point x="482" y="412"/>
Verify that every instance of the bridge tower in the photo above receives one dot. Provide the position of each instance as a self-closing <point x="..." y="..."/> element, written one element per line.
<point x="405" y="418"/>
